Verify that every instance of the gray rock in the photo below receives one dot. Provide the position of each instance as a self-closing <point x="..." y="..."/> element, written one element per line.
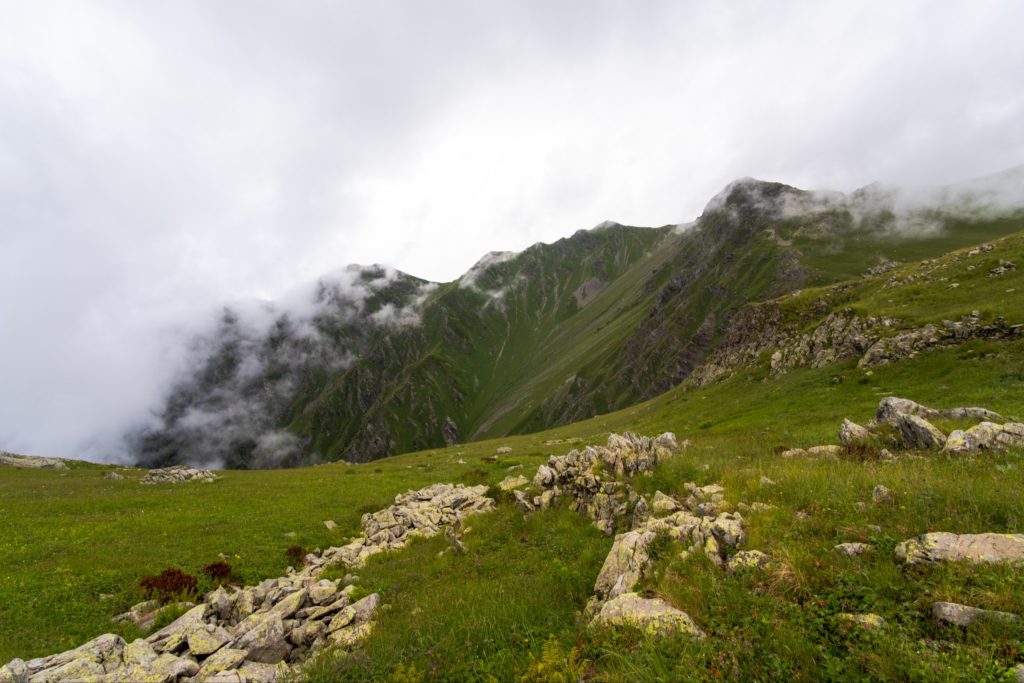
<point x="963" y="615"/>
<point x="510" y="483"/>
<point x="662" y="504"/>
<point x="882" y="495"/>
<point x="113" y="476"/>
<point x="182" y="626"/>
<point x="986" y="436"/>
<point x="852" y="549"/>
<point x="918" y="433"/>
<point x="975" y="548"/>
<point x="203" y="642"/>
<point x="177" y="474"/>
<point x="224" y="659"/>
<point x="852" y="434"/>
<point x="262" y="636"/>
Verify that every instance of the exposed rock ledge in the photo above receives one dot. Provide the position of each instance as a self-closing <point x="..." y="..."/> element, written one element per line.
<point x="35" y="462"/>
<point x="842" y="335"/>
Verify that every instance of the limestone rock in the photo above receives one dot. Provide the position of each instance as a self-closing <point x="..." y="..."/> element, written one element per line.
<point x="652" y="615"/>
<point x="510" y="483"/>
<point x="262" y="637"/>
<point x="748" y="559"/>
<point x="177" y="474"/>
<point x="852" y="434"/>
<point x="503" y="450"/>
<point x="852" y="549"/>
<point x="986" y="436"/>
<point x="918" y="433"/>
<point x="113" y="476"/>
<point x="663" y="504"/>
<point x="975" y="548"/>
<point x="963" y="615"/>
<point x="224" y="659"/>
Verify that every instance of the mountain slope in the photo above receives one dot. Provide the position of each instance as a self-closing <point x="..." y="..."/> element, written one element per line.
<point x="589" y="324"/>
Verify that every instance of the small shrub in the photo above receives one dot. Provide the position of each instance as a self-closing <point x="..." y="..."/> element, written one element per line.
<point x="219" y="571"/>
<point x="170" y="584"/>
<point x="555" y="665"/>
<point x="296" y="555"/>
<point x="703" y="424"/>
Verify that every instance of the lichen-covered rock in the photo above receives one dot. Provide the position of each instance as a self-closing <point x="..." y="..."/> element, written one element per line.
<point x="748" y="559"/>
<point x="986" y="436"/>
<point x="852" y="434"/>
<point x="653" y="616"/>
<point x="976" y="548"/>
<point x="869" y="621"/>
<point x="91" y="659"/>
<point x="182" y="626"/>
<point x="510" y="483"/>
<point x="224" y="659"/>
<point x="262" y="637"/>
<point x="963" y="615"/>
<point x="662" y="504"/>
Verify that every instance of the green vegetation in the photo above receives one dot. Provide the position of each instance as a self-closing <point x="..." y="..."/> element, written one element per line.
<point x="75" y="546"/>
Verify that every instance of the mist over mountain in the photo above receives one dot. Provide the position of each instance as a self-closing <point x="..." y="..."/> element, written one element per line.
<point x="370" y="361"/>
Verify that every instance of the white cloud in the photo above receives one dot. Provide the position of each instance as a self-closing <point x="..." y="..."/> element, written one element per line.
<point x="157" y="159"/>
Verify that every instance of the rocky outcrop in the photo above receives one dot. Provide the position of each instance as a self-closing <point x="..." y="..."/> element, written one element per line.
<point x="593" y="477"/>
<point x="421" y="513"/>
<point x="177" y="474"/>
<point x="615" y="603"/>
<point x="761" y="331"/>
<point x="261" y="632"/>
<point x="974" y="548"/>
<point x="35" y="462"/>
<point x="891" y="407"/>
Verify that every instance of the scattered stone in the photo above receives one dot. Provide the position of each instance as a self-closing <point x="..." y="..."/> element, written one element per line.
<point x="852" y="549"/>
<point x="882" y="495"/>
<point x="975" y="548"/>
<point x="330" y="524"/>
<point x="765" y="481"/>
<point x="34" y="462"/>
<point x="869" y="622"/>
<point x="503" y="450"/>
<point x="177" y="474"/>
<point x="113" y="476"/>
<point x="510" y="483"/>
<point x="852" y="434"/>
<point x="652" y="615"/>
<point x="963" y="615"/>
<point x="827" y="450"/>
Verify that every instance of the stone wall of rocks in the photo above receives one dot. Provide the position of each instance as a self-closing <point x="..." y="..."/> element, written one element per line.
<point x="177" y="474"/>
<point x="258" y="634"/>
<point x="592" y="478"/>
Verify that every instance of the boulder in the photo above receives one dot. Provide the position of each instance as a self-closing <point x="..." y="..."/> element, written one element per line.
<point x="963" y="615"/>
<point x="203" y="642"/>
<point x="882" y="495"/>
<point x="503" y="450"/>
<point x="182" y="626"/>
<point x="654" y="616"/>
<point x="224" y="659"/>
<point x="852" y="434"/>
<point x="915" y="432"/>
<point x="261" y="635"/>
<point x="974" y="548"/>
<point x="113" y="476"/>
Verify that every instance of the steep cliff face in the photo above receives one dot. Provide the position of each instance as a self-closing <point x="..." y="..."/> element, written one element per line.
<point x="381" y="362"/>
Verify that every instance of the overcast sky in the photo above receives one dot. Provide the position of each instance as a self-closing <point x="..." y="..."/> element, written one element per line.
<point x="159" y="158"/>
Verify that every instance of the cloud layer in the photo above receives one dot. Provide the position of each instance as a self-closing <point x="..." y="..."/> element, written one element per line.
<point x="157" y="159"/>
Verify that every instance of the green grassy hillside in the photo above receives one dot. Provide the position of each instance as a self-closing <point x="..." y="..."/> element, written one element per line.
<point x="558" y="333"/>
<point x="75" y="545"/>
